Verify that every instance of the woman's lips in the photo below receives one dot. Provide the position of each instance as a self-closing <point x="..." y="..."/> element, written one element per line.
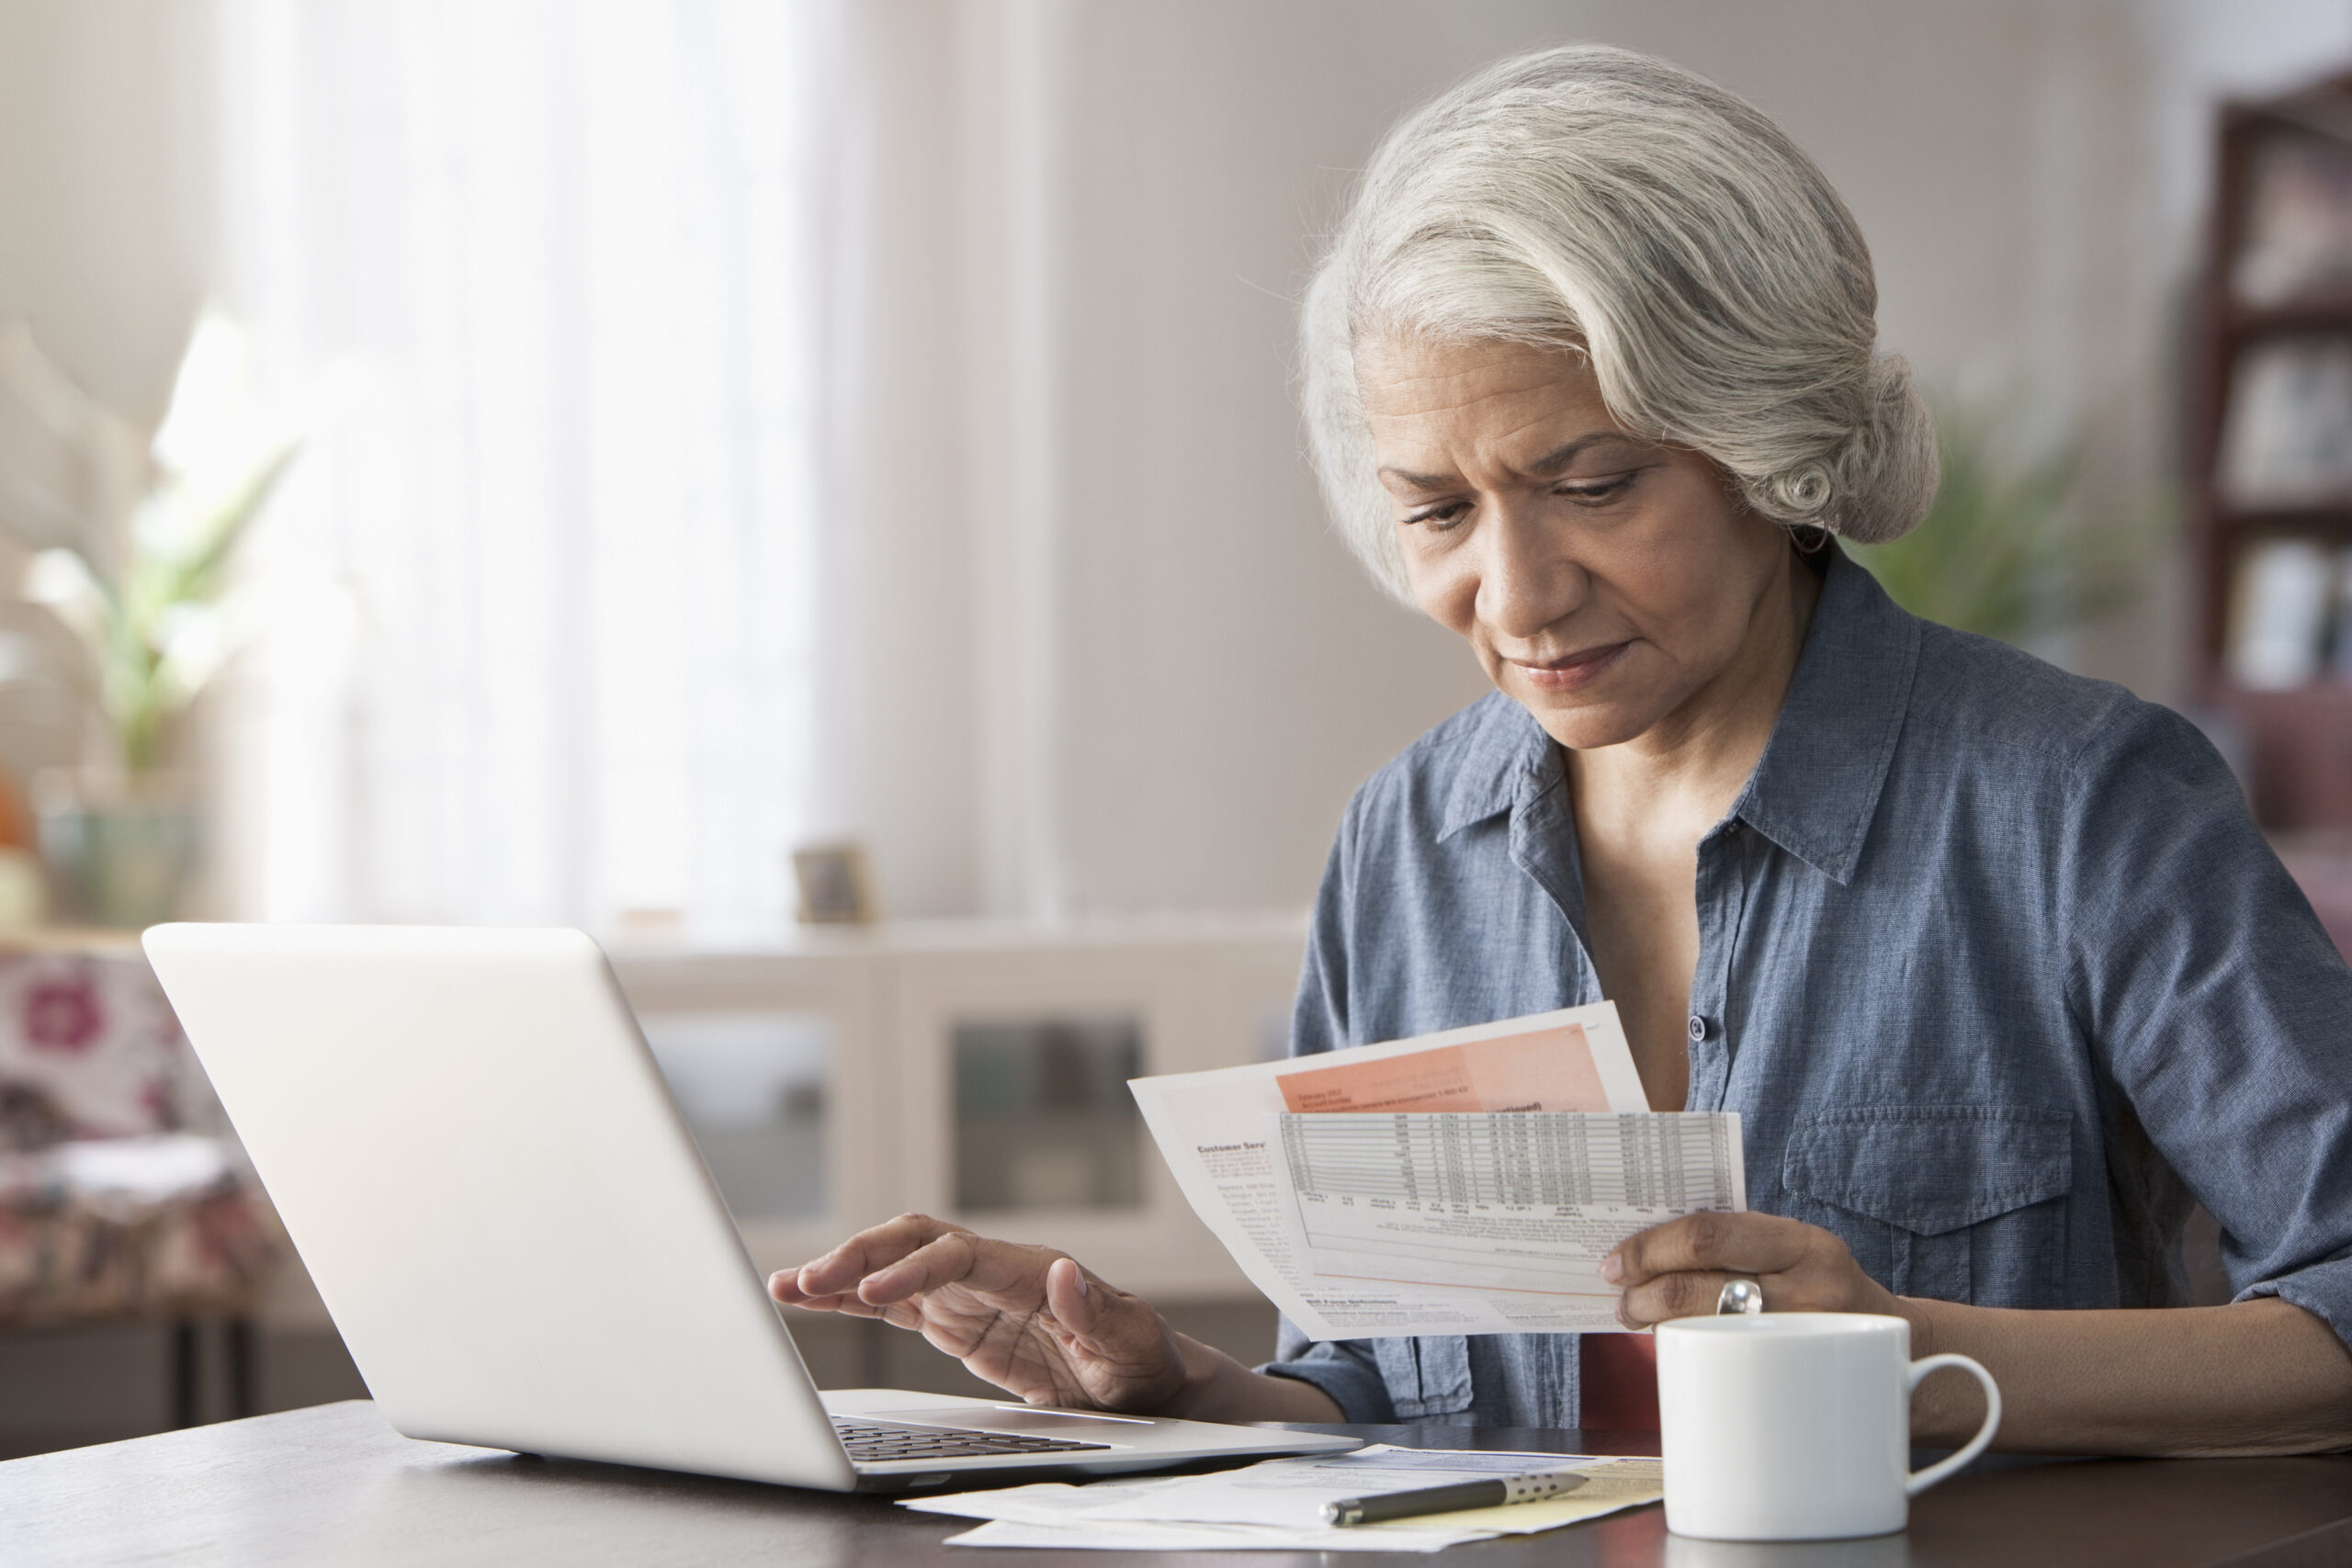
<point x="1573" y="672"/>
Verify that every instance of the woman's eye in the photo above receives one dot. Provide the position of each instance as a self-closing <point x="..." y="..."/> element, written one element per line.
<point x="1594" y="492"/>
<point x="1440" y="518"/>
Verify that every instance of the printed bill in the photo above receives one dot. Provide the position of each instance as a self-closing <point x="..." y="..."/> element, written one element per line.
<point x="1466" y="1182"/>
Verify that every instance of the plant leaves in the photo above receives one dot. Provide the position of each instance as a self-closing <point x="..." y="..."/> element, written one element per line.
<point x="2014" y="549"/>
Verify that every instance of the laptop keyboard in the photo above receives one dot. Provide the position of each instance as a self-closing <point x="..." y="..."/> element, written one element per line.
<point x="874" y="1442"/>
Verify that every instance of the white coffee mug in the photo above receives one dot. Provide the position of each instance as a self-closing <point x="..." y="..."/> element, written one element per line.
<point x="1796" y="1426"/>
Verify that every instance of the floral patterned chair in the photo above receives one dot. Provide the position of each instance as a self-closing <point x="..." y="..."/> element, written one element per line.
<point x="121" y="1195"/>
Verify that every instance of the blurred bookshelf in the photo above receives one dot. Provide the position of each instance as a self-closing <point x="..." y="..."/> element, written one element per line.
<point x="2270" y="451"/>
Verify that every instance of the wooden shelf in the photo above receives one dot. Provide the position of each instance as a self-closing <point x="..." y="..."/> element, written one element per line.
<point x="2299" y="751"/>
<point x="2328" y="314"/>
<point x="2296" y="744"/>
<point x="2304" y="517"/>
<point x="2317" y="514"/>
<point x="2328" y="694"/>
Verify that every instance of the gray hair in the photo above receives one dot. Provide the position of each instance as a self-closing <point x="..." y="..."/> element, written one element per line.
<point x="1599" y="199"/>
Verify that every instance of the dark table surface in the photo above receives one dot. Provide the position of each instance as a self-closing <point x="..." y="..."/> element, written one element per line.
<point x="335" y="1485"/>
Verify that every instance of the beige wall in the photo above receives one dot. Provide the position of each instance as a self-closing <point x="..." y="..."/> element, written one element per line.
<point x="1108" y="659"/>
<point x="1181" y="704"/>
<point x="107" y="238"/>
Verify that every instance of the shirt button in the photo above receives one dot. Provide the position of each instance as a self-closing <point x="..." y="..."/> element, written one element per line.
<point x="1698" y="1028"/>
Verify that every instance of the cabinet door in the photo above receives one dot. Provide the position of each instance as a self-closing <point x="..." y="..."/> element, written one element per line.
<point x="1017" y="1121"/>
<point x="771" y="1060"/>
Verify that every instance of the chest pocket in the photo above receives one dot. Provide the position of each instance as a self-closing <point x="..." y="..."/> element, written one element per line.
<point x="1426" y="1376"/>
<point x="1960" y="1203"/>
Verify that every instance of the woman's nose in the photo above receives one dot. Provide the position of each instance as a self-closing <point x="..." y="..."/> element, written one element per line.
<point x="1528" y="580"/>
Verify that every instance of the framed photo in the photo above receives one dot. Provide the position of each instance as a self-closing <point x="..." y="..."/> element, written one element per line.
<point x="835" y="889"/>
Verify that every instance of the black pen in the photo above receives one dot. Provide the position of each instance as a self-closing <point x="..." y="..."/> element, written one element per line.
<point x="1490" y="1493"/>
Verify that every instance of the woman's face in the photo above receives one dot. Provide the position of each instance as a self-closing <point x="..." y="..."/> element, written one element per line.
<point x="1608" y="584"/>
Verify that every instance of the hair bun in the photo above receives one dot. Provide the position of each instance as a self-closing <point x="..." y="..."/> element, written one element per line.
<point x="1897" y="458"/>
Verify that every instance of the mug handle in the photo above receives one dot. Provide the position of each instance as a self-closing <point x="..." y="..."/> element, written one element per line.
<point x="1920" y="1480"/>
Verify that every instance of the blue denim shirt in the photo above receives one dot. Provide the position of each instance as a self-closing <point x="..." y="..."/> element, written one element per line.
<point x="1993" y="963"/>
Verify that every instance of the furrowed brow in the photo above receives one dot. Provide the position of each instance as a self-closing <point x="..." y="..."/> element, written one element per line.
<point x="1553" y="462"/>
<point x="1557" y="460"/>
<point x="1423" y="481"/>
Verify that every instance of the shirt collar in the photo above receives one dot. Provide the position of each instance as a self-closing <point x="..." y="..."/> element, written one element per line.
<point x="1507" y="761"/>
<point x="1816" y="787"/>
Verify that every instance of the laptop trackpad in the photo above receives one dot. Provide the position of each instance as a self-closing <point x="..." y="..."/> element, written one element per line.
<point x="1006" y="1418"/>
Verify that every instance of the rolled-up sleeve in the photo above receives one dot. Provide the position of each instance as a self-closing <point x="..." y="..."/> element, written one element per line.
<point x="2218" y="1003"/>
<point x="1343" y="1368"/>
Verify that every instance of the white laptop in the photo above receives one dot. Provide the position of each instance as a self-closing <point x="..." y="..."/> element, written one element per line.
<point x="476" y="1158"/>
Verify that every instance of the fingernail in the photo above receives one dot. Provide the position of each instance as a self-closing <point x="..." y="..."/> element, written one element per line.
<point x="1612" y="1268"/>
<point x="1082" y="1284"/>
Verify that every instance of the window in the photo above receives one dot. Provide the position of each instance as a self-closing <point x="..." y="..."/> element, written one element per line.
<point x="545" y="597"/>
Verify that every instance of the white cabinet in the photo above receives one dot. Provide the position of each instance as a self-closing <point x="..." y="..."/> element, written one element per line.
<point x="975" y="1072"/>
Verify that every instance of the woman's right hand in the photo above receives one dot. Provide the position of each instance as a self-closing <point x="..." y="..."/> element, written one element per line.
<point x="1028" y="1319"/>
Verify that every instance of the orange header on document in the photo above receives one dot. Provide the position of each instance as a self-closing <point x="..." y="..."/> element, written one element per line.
<point x="1542" y="1069"/>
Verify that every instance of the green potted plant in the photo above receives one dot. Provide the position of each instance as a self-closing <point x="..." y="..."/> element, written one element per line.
<point x="2014" y="546"/>
<point x="134" y="560"/>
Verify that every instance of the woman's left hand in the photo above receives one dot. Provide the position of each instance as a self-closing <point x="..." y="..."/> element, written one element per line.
<point x="1679" y="1269"/>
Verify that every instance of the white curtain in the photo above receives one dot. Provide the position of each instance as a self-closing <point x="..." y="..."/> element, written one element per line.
<point x="546" y="596"/>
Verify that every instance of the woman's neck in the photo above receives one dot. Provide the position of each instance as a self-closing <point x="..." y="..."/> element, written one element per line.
<point x="1692" y="765"/>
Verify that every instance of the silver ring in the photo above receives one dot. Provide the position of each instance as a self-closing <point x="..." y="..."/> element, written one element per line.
<point x="1743" y="1296"/>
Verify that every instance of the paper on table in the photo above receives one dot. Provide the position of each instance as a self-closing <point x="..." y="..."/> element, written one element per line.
<point x="1279" y="1504"/>
<point x="1292" y="1491"/>
<point x="1626" y="1484"/>
<point x="1211" y="1128"/>
<point x="1058" y="1514"/>
<point x="1053" y="1514"/>
<point x="1103" y="1536"/>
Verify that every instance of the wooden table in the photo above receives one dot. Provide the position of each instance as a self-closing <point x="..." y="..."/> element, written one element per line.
<point x="336" y="1487"/>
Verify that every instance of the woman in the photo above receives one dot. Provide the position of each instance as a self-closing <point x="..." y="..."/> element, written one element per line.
<point x="1989" y="958"/>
